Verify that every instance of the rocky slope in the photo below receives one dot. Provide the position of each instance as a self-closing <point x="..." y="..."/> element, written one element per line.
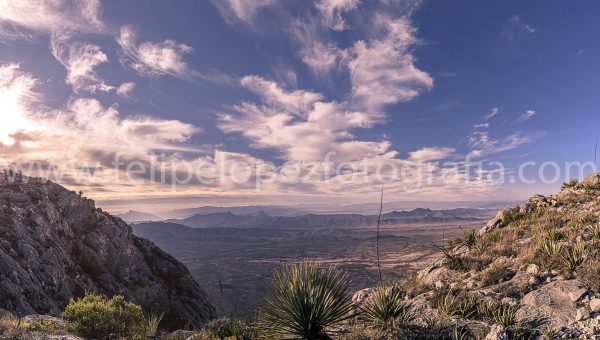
<point x="55" y="245"/>
<point x="532" y="272"/>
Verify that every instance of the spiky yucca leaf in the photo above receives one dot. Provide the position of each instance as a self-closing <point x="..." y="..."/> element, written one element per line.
<point x="306" y="303"/>
<point x="386" y="309"/>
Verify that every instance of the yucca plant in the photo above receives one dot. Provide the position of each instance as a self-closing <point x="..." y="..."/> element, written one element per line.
<point x="574" y="256"/>
<point x="446" y="304"/>
<point x="306" y="303"/>
<point x="488" y="308"/>
<point x="470" y="238"/>
<point x="461" y="333"/>
<point x="466" y="305"/>
<point x="386" y="309"/>
<point x="551" y="246"/>
<point x="505" y="315"/>
<point x="548" y="332"/>
<point x="595" y="233"/>
<point x="152" y="322"/>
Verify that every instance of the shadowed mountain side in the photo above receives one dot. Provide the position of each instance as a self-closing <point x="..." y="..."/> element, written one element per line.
<point x="55" y="245"/>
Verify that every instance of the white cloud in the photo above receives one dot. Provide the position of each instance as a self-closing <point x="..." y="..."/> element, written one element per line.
<point x="493" y="112"/>
<point x="383" y="71"/>
<point x="331" y="12"/>
<point x="48" y="16"/>
<point x="125" y="89"/>
<point x="82" y="133"/>
<point x="80" y="60"/>
<point x="155" y="59"/>
<point x="527" y="115"/>
<point x="240" y="11"/>
<point x="482" y="126"/>
<point x="431" y="154"/>
<point x="296" y="102"/>
<point x="300" y="124"/>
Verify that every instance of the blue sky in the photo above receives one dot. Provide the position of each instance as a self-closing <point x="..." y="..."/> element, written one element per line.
<point x="284" y="81"/>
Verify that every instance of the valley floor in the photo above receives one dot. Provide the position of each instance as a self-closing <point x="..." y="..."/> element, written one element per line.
<point x="235" y="265"/>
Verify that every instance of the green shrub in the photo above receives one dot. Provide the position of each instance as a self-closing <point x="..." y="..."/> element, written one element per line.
<point x="512" y="215"/>
<point x="306" y="303"/>
<point x="94" y="316"/>
<point x="386" y="309"/>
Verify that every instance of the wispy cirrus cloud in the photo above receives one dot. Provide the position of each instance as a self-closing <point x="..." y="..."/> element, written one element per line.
<point x="332" y="10"/>
<point x="527" y="115"/>
<point x="241" y="11"/>
<point x="80" y="60"/>
<point x="155" y="59"/>
<point x="493" y="112"/>
<point x="26" y="19"/>
<point x="124" y="90"/>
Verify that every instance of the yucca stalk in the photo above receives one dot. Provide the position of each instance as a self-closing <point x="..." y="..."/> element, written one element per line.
<point x="306" y="303"/>
<point x="386" y="309"/>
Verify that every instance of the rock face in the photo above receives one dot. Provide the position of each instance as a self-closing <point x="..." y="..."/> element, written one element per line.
<point x="55" y="245"/>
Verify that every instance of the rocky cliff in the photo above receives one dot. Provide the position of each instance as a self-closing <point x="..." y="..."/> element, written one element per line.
<point x="55" y="245"/>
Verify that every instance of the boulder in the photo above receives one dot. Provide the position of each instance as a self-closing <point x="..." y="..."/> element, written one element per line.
<point x="552" y="302"/>
<point x="533" y="269"/>
<point x="595" y="305"/>
<point x="577" y="294"/>
<point x="362" y="295"/>
<point x="494" y="223"/>
<point x="497" y="332"/>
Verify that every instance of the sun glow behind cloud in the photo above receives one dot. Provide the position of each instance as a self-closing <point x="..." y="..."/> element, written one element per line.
<point x="14" y="90"/>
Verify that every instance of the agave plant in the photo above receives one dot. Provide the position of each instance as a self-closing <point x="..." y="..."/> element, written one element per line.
<point x="551" y="245"/>
<point x="574" y="256"/>
<point x="386" y="309"/>
<point x="306" y="303"/>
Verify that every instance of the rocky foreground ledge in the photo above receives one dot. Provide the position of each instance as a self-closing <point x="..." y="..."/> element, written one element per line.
<point x="55" y="245"/>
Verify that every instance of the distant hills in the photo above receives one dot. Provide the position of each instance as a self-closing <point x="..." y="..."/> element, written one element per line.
<point x="133" y="216"/>
<point x="263" y="220"/>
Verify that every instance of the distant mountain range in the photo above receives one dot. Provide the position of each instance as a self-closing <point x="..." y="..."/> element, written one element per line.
<point x="310" y="209"/>
<point x="264" y="220"/>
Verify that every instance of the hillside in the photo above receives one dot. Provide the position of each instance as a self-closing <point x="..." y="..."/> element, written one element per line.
<point x="531" y="272"/>
<point x="56" y="245"/>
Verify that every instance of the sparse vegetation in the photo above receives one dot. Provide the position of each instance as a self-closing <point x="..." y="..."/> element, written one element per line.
<point x="226" y="328"/>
